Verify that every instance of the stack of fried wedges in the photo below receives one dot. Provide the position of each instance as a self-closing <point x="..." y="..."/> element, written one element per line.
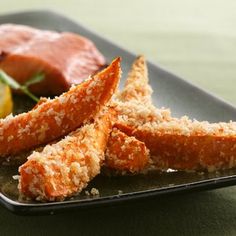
<point x="93" y="125"/>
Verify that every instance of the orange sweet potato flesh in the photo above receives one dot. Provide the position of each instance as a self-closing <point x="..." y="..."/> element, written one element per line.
<point x="56" y="118"/>
<point x="136" y="85"/>
<point x="64" y="58"/>
<point x="181" y="152"/>
<point x="69" y="164"/>
<point x="125" y="153"/>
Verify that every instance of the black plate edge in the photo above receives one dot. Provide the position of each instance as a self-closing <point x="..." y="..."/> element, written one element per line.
<point x="24" y="209"/>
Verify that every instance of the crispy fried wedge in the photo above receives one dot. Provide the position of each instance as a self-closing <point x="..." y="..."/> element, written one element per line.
<point x="65" y="168"/>
<point x="134" y="107"/>
<point x="211" y="147"/>
<point x="136" y="86"/>
<point x="55" y="118"/>
<point x="183" y="144"/>
<point x="125" y="153"/>
<point x="134" y="104"/>
<point x="174" y="143"/>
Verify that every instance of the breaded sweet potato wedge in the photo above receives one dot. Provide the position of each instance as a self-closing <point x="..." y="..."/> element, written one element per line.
<point x="174" y="143"/>
<point x="57" y="117"/>
<point x="179" y="144"/>
<point x="64" y="58"/>
<point x="183" y="144"/>
<point x="125" y="153"/>
<point x="134" y="104"/>
<point x="65" y="168"/>
<point x="136" y="86"/>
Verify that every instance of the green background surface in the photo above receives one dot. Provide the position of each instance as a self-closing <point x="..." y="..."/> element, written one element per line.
<point x="194" y="39"/>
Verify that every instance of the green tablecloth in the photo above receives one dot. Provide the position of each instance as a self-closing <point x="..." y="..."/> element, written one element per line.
<point x="194" y="39"/>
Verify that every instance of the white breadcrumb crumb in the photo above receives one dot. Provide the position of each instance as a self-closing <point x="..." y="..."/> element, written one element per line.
<point x="16" y="177"/>
<point x="120" y="192"/>
<point x="94" y="192"/>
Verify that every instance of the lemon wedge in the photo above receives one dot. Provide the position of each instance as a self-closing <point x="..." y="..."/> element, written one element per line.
<point x="6" y="103"/>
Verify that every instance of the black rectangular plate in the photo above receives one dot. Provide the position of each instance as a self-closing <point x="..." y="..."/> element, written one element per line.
<point x="169" y="91"/>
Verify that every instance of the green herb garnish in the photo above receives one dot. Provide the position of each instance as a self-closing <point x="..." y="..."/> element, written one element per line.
<point x="8" y="80"/>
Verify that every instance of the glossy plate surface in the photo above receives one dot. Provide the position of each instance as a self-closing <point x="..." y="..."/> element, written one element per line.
<point x="169" y="91"/>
